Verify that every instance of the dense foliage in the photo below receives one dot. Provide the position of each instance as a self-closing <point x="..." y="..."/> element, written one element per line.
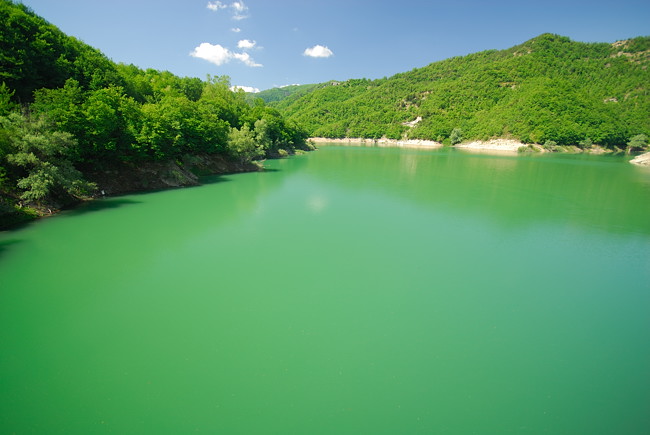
<point x="65" y="107"/>
<point x="280" y="93"/>
<point x="547" y="89"/>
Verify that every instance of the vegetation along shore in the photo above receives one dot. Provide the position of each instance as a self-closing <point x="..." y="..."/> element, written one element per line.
<point x="74" y="125"/>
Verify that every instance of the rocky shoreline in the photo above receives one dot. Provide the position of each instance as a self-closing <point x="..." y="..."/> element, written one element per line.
<point x="642" y="159"/>
<point x="409" y="143"/>
<point x="504" y="145"/>
<point x="498" y="146"/>
<point x="122" y="178"/>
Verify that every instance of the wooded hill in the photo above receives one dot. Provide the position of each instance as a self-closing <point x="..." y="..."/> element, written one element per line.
<point x="67" y="112"/>
<point x="547" y="89"/>
<point x="280" y="93"/>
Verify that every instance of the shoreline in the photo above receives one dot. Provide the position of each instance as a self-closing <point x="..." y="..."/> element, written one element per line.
<point x="120" y="178"/>
<point x="642" y="159"/>
<point x="360" y="141"/>
<point x="500" y="145"/>
<point x="493" y="145"/>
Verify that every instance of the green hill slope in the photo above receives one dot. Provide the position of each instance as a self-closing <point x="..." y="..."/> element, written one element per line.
<point x="69" y="116"/>
<point x="548" y="89"/>
<point x="278" y="94"/>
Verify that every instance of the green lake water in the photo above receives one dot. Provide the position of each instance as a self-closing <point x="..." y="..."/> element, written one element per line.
<point x="347" y="291"/>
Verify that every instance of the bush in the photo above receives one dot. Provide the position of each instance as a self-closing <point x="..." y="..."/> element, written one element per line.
<point x="639" y="141"/>
<point x="550" y="145"/>
<point x="585" y="144"/>
<point x="456" y="136"/>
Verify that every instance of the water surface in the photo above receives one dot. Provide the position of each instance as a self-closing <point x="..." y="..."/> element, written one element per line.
<point x="350" y="290"/>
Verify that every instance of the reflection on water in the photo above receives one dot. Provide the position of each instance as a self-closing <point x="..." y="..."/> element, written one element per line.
<point x="584" y="191"/>
<point x="350" y="290"/>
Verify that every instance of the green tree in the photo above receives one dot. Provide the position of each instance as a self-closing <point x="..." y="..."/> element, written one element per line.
<point x="586" y="144"/>
<point x="220" y="100"/>
<point x="456" y="136"/>
<point x="6" y="105"/>
<point x="243" y="145"/>
<point x="550" y="145"/>
<point x="262" y="135"/>
<point x="64" y="107"/>
<point x="36" y="156"/>
<point x="639" y="141"/>
<point x="104" y="121"/>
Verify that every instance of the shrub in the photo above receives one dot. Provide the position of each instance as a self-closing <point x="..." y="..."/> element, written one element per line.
<point x="550" y="145"/>
<point x="456" y="136"/>
<point x="585" y="144"/>
<point x="638" y="141"/>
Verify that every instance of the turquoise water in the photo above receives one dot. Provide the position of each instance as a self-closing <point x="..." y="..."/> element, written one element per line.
<point x="350" y="290"/>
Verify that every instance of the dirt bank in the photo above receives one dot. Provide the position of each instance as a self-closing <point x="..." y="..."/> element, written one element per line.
<point x="119" y="178"/>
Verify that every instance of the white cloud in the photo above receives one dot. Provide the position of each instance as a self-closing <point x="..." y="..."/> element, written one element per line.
<point x="236" y="29"/>
<point x="216" y="54"/>
<point x="215" y="6"/>
<point x="246" y="44"/>
<point x="220" y="55"/>
<point x="240" y="10"/>
<point x="246" y="59"/>
<point x="318" y="51"/>
<point x="250" y="89"/>
<point x="239" y="7"/>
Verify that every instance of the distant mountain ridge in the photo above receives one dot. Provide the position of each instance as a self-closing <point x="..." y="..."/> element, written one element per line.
<point x="547" y="89"/>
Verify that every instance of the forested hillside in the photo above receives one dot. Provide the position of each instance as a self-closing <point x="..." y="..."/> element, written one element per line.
<point x="67" y="111"/>
<point x="547" y="89"/>
<point x="281" y="93"/>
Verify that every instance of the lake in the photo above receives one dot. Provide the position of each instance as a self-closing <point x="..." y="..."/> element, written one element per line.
<point x="350" y="290"/>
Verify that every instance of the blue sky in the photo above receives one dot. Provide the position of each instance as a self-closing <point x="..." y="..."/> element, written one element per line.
<point x="267" y="43"/>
